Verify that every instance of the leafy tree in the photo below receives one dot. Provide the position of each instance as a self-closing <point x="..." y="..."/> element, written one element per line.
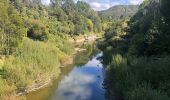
<point x="83" y="8"/>
<point x="164" y="9"/>
<point x="37" y="31"/>
<point x="12" y="28"/>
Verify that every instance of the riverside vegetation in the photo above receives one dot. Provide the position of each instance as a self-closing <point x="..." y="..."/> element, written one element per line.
<point x="34" y="41"/>
<point x="136" y="50"/>
<point x="34" y="44"/>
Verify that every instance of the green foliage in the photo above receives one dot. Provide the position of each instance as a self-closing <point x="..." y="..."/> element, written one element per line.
<point x="118" y="12"/>
<point x="83" y="8"/>
<point x="130" y="73"/>
<point x="34" y="40"/>
<point x="139" y="69"/>
<point x="164" y="9"/>
<point x="11" y="28"/>
<point x="61" y="43"/>
<point x="150" y="24"/>
<point x="146" y="33"/>
<point x="37" y="31"/>
<point x="145" y="92"/>
<point x="33" y="62"/>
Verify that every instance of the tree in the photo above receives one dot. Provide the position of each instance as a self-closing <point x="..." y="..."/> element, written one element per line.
<point x="83" y="8"/>
<point x="37" y="31"/>
<point x="165" y="7"/>
<point x="11" y="27"/>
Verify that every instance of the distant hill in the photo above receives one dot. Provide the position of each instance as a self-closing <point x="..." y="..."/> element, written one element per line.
<point x="119" y="12"/>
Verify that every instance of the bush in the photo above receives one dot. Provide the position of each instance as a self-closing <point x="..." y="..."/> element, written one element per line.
<point x="107" y="55"/>
<point x="120" y="74"/>
<point x="154" y="70"/>
<point x="37" y="31"/>
<point x="61" y="42"/>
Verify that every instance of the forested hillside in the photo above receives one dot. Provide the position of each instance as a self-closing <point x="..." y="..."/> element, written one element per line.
<point x="137" y="51"/>
<point x="34" y="40"/>
<point x="118" y="12"/>
<point x="115" y="14"/>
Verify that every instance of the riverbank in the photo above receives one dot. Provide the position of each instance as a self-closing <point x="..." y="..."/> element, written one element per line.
<point x="85" y="66"/>
<point x="84" y="38"/>
<point x="33" y="66"/>
<point x="40" y="70"/>
<point x="64" y="63"/>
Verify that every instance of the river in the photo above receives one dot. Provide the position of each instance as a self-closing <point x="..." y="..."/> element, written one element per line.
<point x="80" y="81"/>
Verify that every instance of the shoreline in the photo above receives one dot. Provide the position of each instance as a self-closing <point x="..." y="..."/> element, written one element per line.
<point x="41" y="85"/>
<point x="38" y="87"/>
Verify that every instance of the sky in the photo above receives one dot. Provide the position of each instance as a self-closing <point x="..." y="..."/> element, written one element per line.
<point x="105" y="4"/>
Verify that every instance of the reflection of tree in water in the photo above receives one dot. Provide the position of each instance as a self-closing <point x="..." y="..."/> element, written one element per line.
<point x="82" y="58"/>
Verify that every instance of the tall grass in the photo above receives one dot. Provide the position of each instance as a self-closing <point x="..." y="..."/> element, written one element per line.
<point x="145" y="92"/>
<point x="128" y="74"/>
<point x="33" y="62"/>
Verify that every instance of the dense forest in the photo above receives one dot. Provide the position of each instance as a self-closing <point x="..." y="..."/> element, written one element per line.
<point x="136" y="51"/>
<point x="34" y="40"/>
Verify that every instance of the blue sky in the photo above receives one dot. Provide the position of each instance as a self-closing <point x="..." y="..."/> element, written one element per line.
<point x="105" y="4"/>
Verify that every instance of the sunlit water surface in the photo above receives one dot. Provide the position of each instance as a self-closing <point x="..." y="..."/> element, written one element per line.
<point x="79" y="82"/>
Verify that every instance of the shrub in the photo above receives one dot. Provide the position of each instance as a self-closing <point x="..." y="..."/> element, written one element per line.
<point x="61" y="42"/>
<point x="107" y="54"/>
<point x="154" y="70"/>
<point x="121" y="74"/>
<point x="37" y="31"/>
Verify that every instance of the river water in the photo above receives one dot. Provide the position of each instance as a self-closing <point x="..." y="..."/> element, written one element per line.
<point x="81" y="81"/>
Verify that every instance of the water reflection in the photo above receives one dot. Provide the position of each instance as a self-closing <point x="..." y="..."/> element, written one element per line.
<point x="80" y="81"/>
<point x="75" y="87"/>
<point x="83" y="83"/>
<point x="83" y="57"/>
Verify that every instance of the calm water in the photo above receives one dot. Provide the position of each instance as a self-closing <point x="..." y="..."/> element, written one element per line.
<point x="80" y="81"/>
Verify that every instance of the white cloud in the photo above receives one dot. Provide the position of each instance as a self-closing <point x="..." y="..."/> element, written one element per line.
<point x="75" y="87"/>
<point x="45" y="2"/>
<point x="102" y="6"/>
<point x="135" y="2"/>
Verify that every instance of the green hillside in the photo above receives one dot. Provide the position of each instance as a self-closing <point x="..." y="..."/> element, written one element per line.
<point x="118" y="12"/>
